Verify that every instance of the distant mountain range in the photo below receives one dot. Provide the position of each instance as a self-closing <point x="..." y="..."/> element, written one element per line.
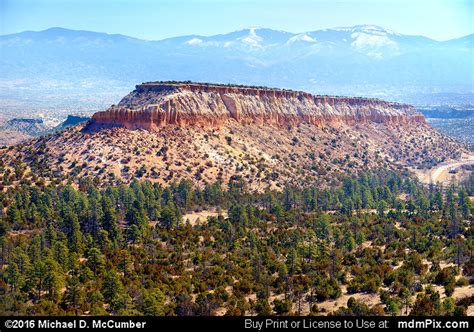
<point x="447" y="113"/>
<point x="37" y="127"/>
<point x="363" y="60"/>
<point x="26" y="126"/>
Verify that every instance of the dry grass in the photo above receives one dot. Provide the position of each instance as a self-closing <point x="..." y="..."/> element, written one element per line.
<point x="200" y="217"/>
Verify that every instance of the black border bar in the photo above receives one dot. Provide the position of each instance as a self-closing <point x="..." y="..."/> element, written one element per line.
<point x="321" y="323"/>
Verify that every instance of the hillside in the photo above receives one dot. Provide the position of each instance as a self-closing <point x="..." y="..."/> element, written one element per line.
<point x="168" y="131"/>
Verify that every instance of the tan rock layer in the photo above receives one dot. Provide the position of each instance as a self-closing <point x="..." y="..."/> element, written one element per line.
<point x="155" y="105"/>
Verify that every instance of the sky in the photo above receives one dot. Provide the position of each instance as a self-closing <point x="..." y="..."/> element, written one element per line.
<point x="159" y="19"/>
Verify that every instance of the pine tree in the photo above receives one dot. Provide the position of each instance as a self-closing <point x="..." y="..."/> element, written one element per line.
<point x="74" y="296"/>
<point x="405" y="297"/>
<point x="95" y="261"/>
<point x="349" y="242"/>
<point x="152" y="303"/>
<point x="14" y="277"/>
<point x="53" y="281"/>
<point x="109" y="221"/>
<point x="39" y="272"/>
<point x="13" y="215"/>
<point x="168" y="218"/>
<point x="111" y="285"/>
<point x="75" y="238"/>
<point x="381" y="207"/>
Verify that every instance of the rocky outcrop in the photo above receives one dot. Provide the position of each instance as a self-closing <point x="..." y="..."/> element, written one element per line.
<point x="73" y="120"/>
<point x="158" y="104"/>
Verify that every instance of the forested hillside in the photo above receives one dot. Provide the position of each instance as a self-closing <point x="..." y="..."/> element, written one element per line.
<point x="378" y="244"/>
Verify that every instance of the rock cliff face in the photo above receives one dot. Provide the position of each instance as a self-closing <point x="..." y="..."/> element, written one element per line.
<point x="155" y="105"/>
<point x="268" y="138"/>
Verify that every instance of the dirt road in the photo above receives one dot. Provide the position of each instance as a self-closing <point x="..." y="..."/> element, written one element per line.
<point x="440" y="172"/>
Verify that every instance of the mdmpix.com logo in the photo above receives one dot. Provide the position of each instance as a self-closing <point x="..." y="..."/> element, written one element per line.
<point x="430" y="323"/>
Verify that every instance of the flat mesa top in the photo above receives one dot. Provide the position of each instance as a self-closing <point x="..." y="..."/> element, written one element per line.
<point x="212" y="85"/>
<point x="203" y="86"/>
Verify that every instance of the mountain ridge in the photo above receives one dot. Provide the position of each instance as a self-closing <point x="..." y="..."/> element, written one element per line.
<point x="352" y="61"/>
<point x="359" y="27"/>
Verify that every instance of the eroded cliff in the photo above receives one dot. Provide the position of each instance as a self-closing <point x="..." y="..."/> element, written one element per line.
<point x="155" y="105"/>
<point x="268" y="138"/>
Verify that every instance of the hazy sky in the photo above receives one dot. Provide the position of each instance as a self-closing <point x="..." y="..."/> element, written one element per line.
<point x="158" y="19"/>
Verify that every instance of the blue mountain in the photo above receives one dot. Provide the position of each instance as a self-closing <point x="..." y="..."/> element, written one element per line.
<point x="359" y="60"/>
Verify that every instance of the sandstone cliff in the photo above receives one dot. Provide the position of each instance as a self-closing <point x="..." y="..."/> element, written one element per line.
<point x="155" y="105"/>
<point x="256" y="140"/>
